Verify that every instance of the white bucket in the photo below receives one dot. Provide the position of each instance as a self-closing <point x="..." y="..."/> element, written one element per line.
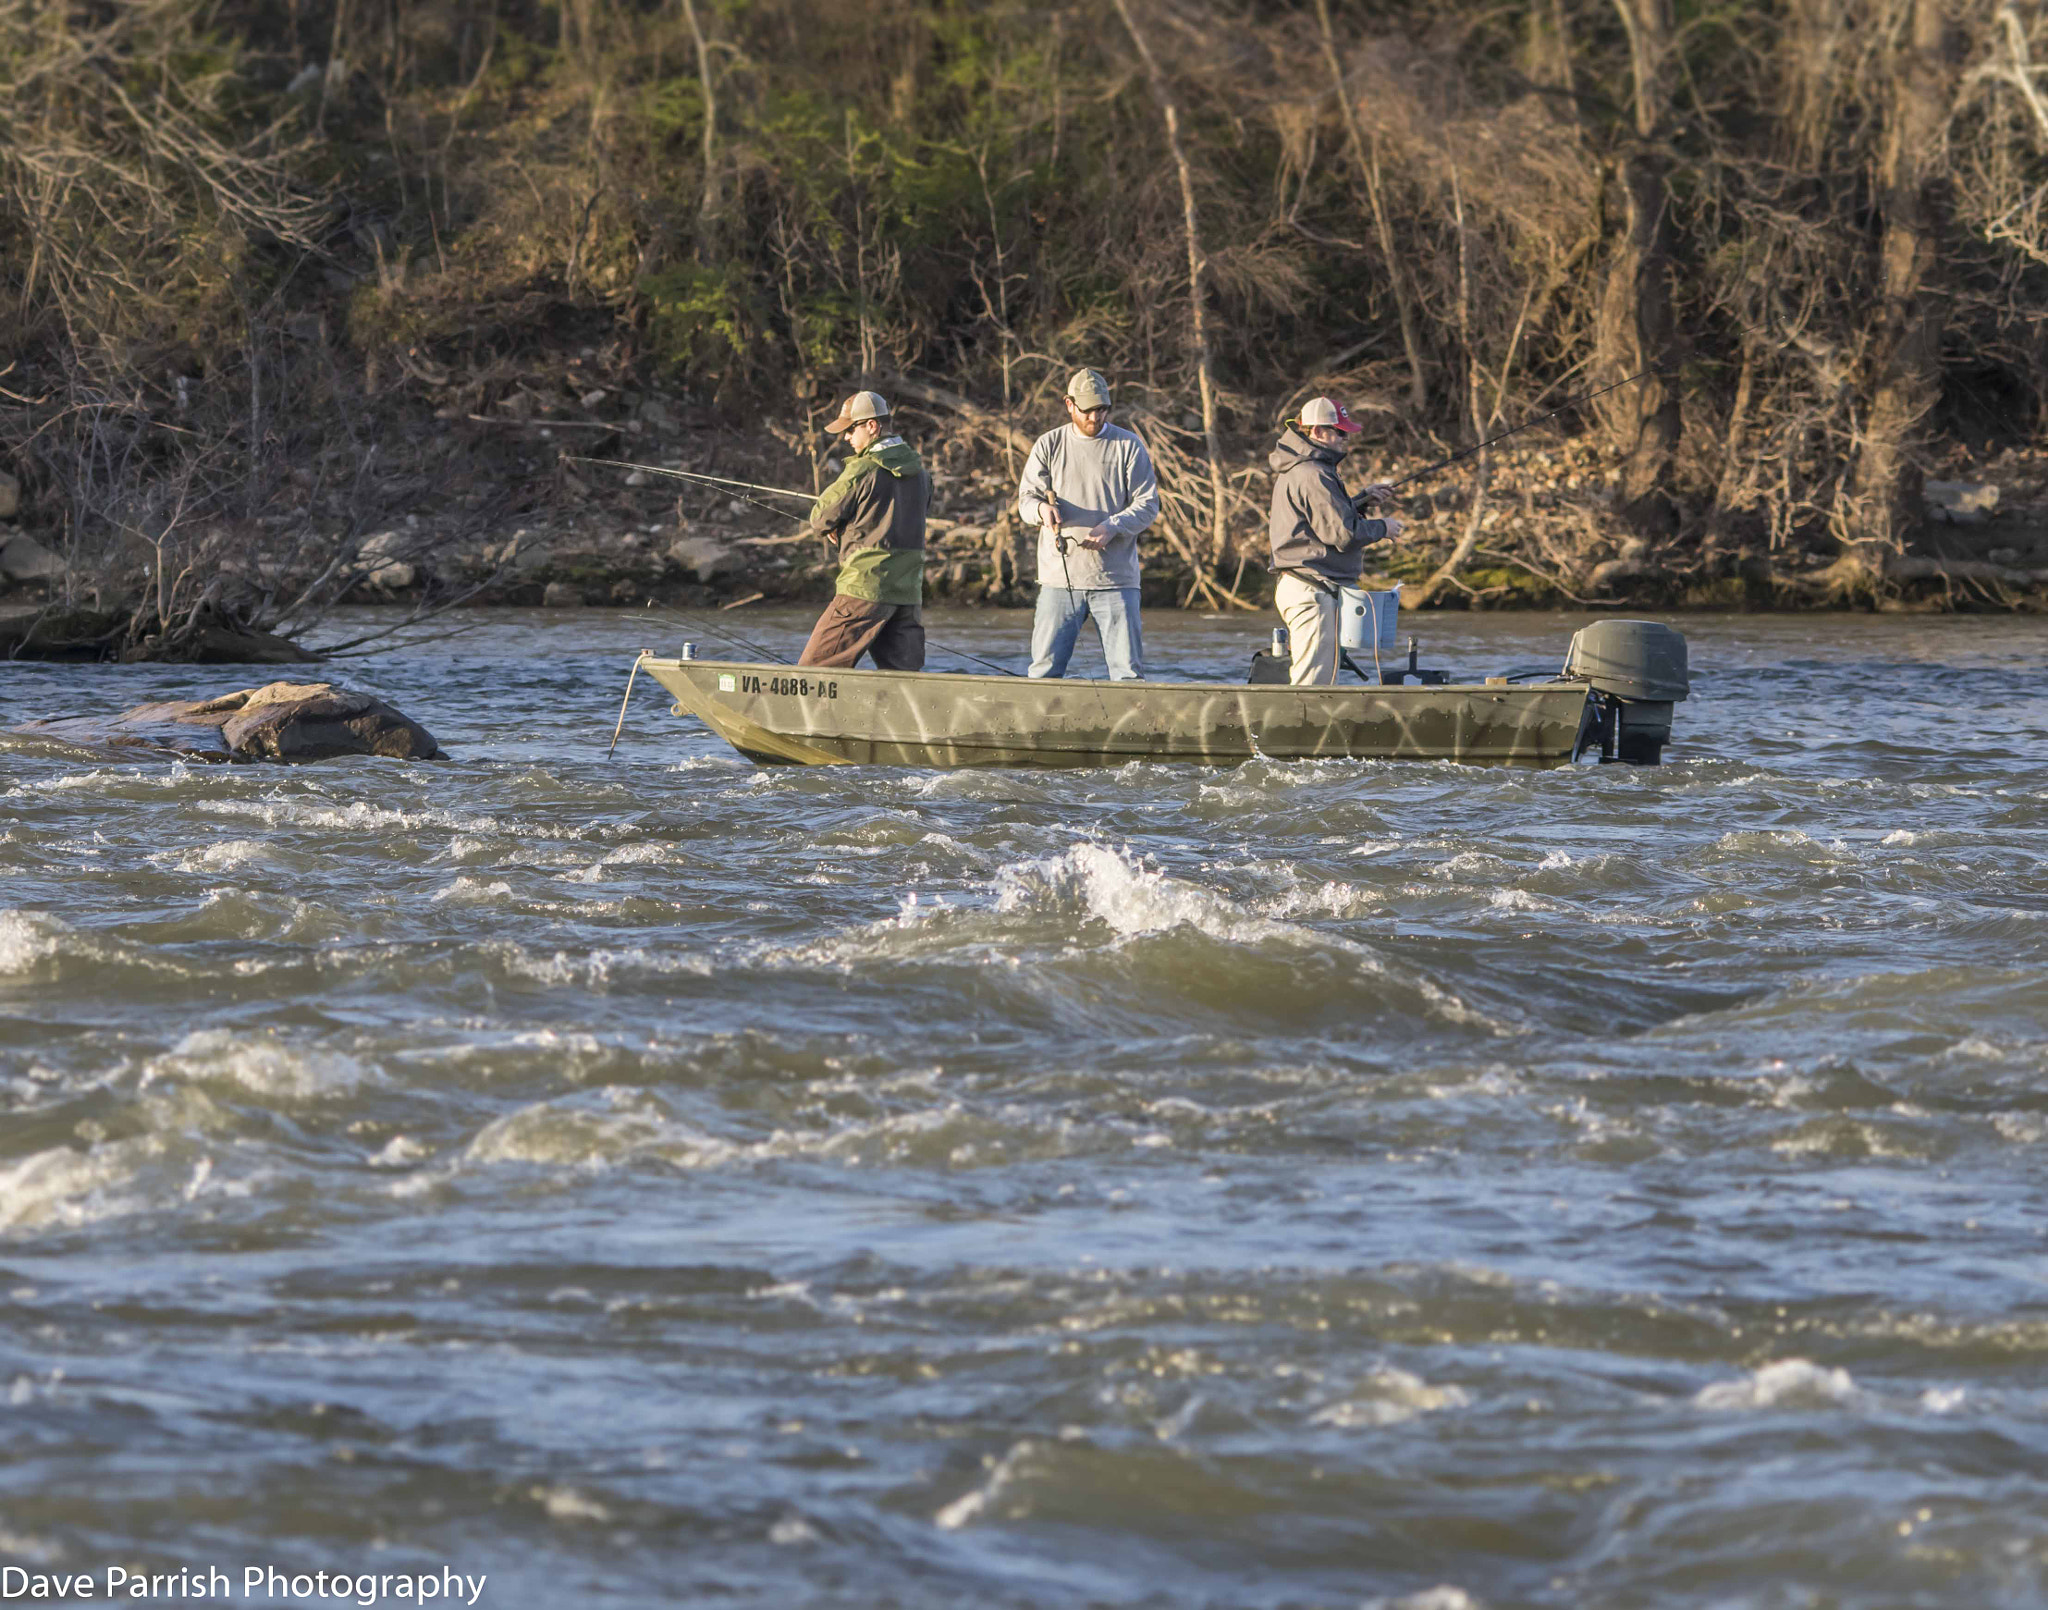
<point x="1365" y="618"/>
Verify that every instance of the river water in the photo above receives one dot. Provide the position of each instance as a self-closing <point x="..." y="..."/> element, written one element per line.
<point x="670" y="1181"/>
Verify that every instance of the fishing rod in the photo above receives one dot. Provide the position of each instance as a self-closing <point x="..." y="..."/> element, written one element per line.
<point x="696" y="475"/>
<point x="719" y="480"/>
<point x="962" y="654"/>
<point x="725" y="632"/>
<point x="1362" y="502"/>
<point x="780" y="514"/>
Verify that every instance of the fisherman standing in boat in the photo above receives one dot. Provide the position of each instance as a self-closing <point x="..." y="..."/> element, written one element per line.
<point x="1319" y="536"/>
<point x="1089" y="489"/>
<point x="876" y="510"/>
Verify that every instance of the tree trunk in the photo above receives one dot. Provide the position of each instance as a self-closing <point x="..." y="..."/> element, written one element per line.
<point x="1815" y="36"/>
<point x="1904" y="371"/>
<point x="1198" y="318"/>
<point x="1369" y="170"/>
<point x="712" y="204"/>
<point x="1638" y="318"/>
<point x="1446" y="574"/>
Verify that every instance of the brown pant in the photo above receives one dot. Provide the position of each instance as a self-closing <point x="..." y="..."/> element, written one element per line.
<point x="890" y="634"/>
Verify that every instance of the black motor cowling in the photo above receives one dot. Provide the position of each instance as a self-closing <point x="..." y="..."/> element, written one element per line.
<point x="1638" y="670"/>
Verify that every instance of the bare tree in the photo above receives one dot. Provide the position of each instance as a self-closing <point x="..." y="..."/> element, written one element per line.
<point x="1365" y="153"/>
<point x="1198" y="327"/>
<point x="1903" y="372"/>
<point x="1638" y="326"/>
<point x="711" y="207"/>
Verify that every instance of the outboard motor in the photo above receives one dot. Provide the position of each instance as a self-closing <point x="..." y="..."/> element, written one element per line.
<point x="1637" y="672"/>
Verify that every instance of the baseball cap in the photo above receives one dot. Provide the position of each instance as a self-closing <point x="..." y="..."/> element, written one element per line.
<point x="861" y="405"/>
<point x="1322" y="411"/>
<point x="1088" y="389"/>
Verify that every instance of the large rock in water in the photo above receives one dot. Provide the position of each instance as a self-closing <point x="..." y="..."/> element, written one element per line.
<point x="284" y="721"/>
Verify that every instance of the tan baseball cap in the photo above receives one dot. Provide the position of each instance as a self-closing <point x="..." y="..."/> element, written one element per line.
<point x="860" y="406"/>
<point x="1088" y="389"/>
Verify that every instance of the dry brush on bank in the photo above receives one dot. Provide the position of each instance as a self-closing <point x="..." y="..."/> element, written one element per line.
<point x="279" y="278"/>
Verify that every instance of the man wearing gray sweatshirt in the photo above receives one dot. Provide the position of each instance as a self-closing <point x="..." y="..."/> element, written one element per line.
<point x="1089" y="489"/>
<point x="1319" y="535"/>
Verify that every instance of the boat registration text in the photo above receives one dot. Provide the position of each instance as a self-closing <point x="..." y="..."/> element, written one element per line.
<point x="803" y="687"/>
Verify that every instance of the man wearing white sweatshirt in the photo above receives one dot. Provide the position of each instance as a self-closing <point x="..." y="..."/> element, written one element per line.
<point x="1089" y="489"/>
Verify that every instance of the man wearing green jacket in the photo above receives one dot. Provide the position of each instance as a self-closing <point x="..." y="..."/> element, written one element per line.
<point x="876" y="510"/>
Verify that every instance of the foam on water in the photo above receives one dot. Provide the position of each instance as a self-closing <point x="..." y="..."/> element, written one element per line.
<point x="226" y="855"/>
<point x="400" y="1151"/>
<point x="27" y="1550"/>
<point x="26" y="940"/>
<point x="577" y="1137"/>
<point x="1441" y="1597"/>
<point x="261" y="1064"/>
<point x="610" y="1126"/>
<point x="67" y="1188"/>
<point x="104" y="780"/>
<point x="567" y="1504"/>
<point x="475" y="891"/>
<point x="361" y="817"/>
<point x="1114" y="887"/>
<point x="597" y="969"/>
<point x="1388" y="1397"/>
<point x="1791" y="1383"/>
<point x="973" y="1504"/>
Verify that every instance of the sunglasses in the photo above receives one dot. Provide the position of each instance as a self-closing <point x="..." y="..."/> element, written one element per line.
<point x="1088" y="413"/>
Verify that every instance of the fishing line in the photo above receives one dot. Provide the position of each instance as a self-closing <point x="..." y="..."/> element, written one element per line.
<point x="718" y="629"/>
<point x="943" y="648"/>
<point x="961" y="653"/>
<point x="727" y="635"/>
<point x="780" y="514"/>
<point x="684" y="475"/>
<point x="732" y="637"/>
<point x="694" y="475"/>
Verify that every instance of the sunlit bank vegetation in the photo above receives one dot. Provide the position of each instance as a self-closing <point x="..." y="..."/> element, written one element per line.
<point x="250" y="249"/>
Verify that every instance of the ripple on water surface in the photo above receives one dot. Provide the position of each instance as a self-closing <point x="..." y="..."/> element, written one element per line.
<point x="1323" y="1184"/>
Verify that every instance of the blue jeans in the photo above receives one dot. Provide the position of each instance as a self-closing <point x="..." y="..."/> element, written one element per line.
<point x="1058" y="623"/>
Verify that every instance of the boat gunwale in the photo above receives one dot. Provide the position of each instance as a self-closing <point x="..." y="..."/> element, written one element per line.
<point x="1131" y="684"/>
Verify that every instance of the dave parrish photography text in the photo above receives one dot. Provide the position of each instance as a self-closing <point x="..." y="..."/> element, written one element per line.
<point x="248" y="1583"/>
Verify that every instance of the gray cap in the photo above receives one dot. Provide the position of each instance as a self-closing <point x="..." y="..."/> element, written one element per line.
<point x="1088" y="389"/>
<point x="862" y="405"/>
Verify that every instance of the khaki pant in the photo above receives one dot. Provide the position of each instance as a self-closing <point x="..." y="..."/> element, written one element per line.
<point x="891" y="634"/>
<point x="1311" y="617"/>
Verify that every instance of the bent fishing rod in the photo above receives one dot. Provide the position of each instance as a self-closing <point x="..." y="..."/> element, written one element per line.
<point x="1362" y="502"/>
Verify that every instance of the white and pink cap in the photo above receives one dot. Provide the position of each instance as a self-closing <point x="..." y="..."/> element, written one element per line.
<point x="1322" y="411"/>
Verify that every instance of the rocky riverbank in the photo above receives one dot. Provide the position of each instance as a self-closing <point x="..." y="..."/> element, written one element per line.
<point x="509" y="509"/>
<point x="1547" y="536"/>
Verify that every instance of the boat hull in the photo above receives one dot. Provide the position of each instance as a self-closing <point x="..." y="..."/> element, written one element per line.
<point x="803" y="716"/>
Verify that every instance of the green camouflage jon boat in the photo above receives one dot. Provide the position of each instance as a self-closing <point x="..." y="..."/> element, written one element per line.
<point x="1614" y="695"/>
